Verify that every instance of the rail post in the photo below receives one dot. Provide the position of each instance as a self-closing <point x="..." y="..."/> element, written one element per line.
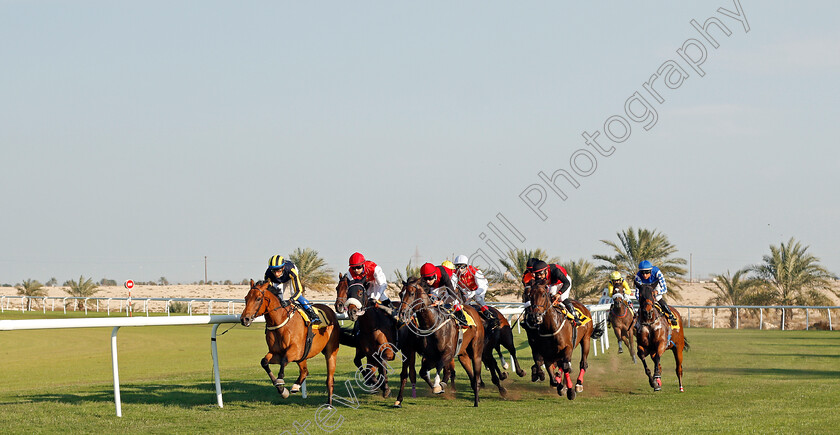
<point x="116" y="369"/>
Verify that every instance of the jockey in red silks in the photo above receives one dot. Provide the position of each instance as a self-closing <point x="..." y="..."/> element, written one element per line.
<point x="559" y="284"/>
<point x="373" y="274"/>
<point x="472" y="283"/>
<point x="437" y="283"/>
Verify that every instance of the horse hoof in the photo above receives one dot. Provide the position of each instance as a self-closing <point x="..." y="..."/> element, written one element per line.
<point x="502" y="376"/>
<point x="284" y="393"/>
<point x="397" y="404"/>
<point x="437" y="390"/>
<point x="620" y="350"/>
<point x="579" y="388"/>
<point x="295" y="388"/>
<point x="386" y="393"/>
<point x="503" y="392"/>
<point x="681" y="389"/>
<point x="570" y="394"/>
<point x="561" y="390"/>
<point x="506" y="366"/>
<point x="481" y="383"/>
<point x="520" y="373"/>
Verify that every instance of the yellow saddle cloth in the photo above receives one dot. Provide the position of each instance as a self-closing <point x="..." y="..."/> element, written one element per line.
<point x="584" y="319"/>
<point x="674" y="327"/>
<point x="325" y="321"/>
<point x="470" y="321"/>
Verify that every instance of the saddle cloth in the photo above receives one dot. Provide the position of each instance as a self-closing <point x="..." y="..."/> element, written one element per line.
<point x="470" y="321"/>
<point x="325" y="321"/>
<point x="674" y="327"/>
<point x="584" y="319"/>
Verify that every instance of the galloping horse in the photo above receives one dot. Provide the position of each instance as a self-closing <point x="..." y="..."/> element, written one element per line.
<point x="556" y="337"/>
<point x="376" y="331"/>
<point x="654" y="336"/>
<point x="494" y="339"/>
<point x="286" y="336"/>
<point x="442" y="338"/>
<point x="621" y="318"/>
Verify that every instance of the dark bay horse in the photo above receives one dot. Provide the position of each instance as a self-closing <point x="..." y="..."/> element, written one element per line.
<point x="654" y="336"/>
<point x="556" y="337"/>
<point x="622" y="320"/>
<point x="439" y="334"/>
<point x="375" y="332"/>
<point x="496" y="337"/>
<point x="285" y="334"/>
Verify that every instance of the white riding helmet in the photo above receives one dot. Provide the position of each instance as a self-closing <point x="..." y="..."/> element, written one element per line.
<point x="462" y="259"/>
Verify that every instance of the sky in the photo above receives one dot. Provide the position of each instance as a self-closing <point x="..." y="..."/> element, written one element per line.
<point x="141" y="138"/>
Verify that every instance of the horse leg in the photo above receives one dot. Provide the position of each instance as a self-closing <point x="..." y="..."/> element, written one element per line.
<point x="467" y="364"/>
<point x="495" y="372"/>
<point x="278" y="381"/>
<point x="506" y="340"/>
<point x="657" y="372"/>
<point x="536" y="369"/>
<point x="304" y="372"/>
<point x="584" y="364"/>
<point x="566" y="382"/>
<point x="408" y="365"/>
<point x="386" y="390"/>
<point x="678" y="350"/>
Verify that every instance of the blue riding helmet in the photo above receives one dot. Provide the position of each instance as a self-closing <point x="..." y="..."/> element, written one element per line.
<point x="645" y="265"/>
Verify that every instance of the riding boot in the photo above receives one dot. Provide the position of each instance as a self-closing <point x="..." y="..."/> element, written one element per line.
<point x="389" y="309"/>
<point x="459" y="316"/>
<point x="668" y="312"/>
<point x="490" y="317"/>
<point x="313" y="318"/>
<point x="571" y="310"/>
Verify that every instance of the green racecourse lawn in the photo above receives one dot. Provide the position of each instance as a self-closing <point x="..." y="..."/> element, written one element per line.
<point x="735" y="381"/>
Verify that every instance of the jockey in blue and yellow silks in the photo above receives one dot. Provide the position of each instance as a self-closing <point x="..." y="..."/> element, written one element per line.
<point x="283" y="274"/>
<point x="649" y="274"/>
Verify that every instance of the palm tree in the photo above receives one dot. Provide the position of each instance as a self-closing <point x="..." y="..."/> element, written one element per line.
<point x="737" y="289"/>
<point x="586" y="278"/>
<point x="410" y="270"/>
<point x="31" y="289"/>
<point x="83" y="288"/>
<point x="516" y="261"/>
<point x="313" y="270"/>
<point x="791" y="276"/>
<point x="643" y="244"/>
<point x="163" y="281"/>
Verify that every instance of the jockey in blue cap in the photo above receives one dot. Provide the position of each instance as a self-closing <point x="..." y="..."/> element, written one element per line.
<point x="650" y="274"/>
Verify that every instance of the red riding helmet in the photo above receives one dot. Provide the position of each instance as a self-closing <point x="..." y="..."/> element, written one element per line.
<point x="357" y="259"/>
<point x="428" y="269"/>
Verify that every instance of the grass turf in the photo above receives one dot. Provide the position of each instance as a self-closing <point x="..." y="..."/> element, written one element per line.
<point x="735" y="381"/>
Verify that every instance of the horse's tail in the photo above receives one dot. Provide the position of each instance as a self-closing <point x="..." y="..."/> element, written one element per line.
<point x="598" y="331"/>
<point x="686" y="346"/>
<point x="347" y="338"/>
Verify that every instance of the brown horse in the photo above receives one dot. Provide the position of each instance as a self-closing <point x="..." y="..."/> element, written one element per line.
<point x="285" y="334"/>
<point x="496" y="337"/>
<point x="622" y="319"/>
<point x="374" y="332"/>
<point x="440" y="335"/>
<point x="654" y="336"/>
<point x="556" y="337"/>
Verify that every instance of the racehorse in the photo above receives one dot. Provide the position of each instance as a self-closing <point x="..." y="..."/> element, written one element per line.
<point x="557" y="337"/>
<point x="654" y="336"/>
<point x="375" y="331"/>
<point x="442" y="338"/>
<point x="286" y="335"/>
<point x="621" y="318"/>
<point x="494" y="338"/>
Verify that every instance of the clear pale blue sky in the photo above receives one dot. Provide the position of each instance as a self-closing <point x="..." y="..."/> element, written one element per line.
<point x="140" y="137"/>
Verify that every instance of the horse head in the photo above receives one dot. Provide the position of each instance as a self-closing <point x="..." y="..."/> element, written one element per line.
<point x="647" y="300"/>
<point x="617" y="305"/>
<point x="413" y="299"/>
<point x="540" y="301"/>
<point x="349" y="296"/>
<point x="256" y="302"/>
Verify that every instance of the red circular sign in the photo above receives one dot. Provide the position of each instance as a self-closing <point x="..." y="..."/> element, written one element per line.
<point x="129" y="284"/>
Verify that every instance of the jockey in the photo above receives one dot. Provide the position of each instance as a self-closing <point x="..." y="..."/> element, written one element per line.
<point x="361" y="268"/>
<point x="449" y="267"/>
<point x="617" y="286"/>
<point x="649" y="274"/>
<point x="472" y="283"/>
<point x="435" y="277"/>
<point x="528" y="274"/>
<point x="283" y="274"/>
<point x="560" y="285"/>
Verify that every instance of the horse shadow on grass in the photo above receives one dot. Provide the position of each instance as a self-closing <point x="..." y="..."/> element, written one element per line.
<point x="181" y="395"/>
<point x="774" y="372"/>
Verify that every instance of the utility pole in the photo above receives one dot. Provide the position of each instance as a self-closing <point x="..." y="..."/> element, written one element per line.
<point x="205" y="270"/>
<point x="690" y="267"/>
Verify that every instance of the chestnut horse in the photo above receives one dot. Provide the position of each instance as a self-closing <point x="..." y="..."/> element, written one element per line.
<point x="654" y="336"/>
<point x="375" y="331"/>
<point x="439" y="334"/>
<point x="285" y="334"/>
<point x="622" y="319"/>
<point x="556" y="337"/>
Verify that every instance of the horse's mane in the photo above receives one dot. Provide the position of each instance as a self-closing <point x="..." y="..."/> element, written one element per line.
<point x="646" y="291"/>
<point x="412" y="280"/>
